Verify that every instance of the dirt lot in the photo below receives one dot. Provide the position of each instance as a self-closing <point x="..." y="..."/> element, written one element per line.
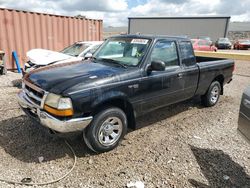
<point x="184" y="145"/>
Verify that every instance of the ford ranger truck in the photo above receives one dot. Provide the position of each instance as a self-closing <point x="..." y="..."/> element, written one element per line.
<point x="127" y="77"/>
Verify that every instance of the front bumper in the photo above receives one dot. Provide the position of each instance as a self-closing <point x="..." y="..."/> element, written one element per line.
<point x="49" y="121"/>
<point x="223" y="46"/>
<point x="244" y="46"/>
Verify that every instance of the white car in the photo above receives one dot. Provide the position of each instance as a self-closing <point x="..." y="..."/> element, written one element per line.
<point x="76" y="52"/>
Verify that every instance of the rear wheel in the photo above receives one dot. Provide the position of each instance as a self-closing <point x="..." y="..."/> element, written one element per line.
<point x="212" y="95"/>
<point x="106" y="130"/>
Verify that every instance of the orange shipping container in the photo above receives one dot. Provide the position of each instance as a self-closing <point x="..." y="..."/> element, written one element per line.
<point x="22" y="31"/>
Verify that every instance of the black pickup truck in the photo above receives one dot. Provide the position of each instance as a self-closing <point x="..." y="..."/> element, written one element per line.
<point x="127" y="77"/>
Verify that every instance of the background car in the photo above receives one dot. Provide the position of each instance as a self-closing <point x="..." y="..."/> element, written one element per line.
<point x="203" y="45"/>
<point x="75" y="52"/>
<point x="223" y="43"/>
<point x="242" y="44"/>
<point x="244" y="115"/>
<point x="206" y="38"/>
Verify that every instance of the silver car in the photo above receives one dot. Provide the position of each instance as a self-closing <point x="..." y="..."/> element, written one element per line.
<point x="76" y="52"/>
<point x="244" y="116"/>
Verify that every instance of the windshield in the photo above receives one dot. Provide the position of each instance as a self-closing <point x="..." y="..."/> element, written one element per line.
<point x="205" y="38"/>
<point x="75" y="49"/>
<point x="123" y="51"/>
<point x="224" y="40"/>
<point x="244" y="40"/>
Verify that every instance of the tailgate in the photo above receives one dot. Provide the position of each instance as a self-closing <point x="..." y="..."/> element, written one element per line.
<point x="244" y="116"/>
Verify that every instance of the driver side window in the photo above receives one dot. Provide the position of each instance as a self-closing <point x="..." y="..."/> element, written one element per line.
<point x="165" y="51"/>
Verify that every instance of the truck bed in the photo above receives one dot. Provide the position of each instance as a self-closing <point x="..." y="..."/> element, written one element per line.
<point x="211" y="68"/>
<point x="206" y="59"/>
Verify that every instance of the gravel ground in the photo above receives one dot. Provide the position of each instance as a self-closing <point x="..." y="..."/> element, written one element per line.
<point x="184" y="145"/>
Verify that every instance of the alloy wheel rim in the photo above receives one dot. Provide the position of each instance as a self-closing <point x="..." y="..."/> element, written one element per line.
<point x="214" y="94"/>
<point x="110" y="131"/>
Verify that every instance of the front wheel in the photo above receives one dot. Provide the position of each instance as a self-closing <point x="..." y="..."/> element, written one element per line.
<point x="106" y="130"/>
<point x="212" y="95"/>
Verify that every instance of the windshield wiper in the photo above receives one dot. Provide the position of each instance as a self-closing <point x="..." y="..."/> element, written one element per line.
<point x="112" y="61"/>
<point x="94" y="59"/>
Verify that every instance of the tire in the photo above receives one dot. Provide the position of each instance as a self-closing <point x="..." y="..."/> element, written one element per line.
<point x="107" y="129"/>
<point x="212" y="95"/>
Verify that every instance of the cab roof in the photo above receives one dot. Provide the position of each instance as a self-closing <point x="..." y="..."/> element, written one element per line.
<point x="153" y="37"/>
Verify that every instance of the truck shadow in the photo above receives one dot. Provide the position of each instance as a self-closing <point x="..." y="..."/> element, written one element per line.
<point x="219" y="169"/>
<point x="26" y="140"/>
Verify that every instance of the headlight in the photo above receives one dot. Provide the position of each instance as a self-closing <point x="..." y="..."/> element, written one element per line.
<point x="52" y="100"/>
<point x="27" y="65"/>
<point x="58" y="105"/>
<point x="64" y="103"/>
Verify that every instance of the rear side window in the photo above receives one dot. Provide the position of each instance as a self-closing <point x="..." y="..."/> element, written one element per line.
<point x="187" y="54"/>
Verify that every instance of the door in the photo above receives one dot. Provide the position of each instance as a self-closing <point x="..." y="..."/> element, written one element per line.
<point x="244" y="116"/>
<point x="190" y="69"/>
<point x="161" y="88"/>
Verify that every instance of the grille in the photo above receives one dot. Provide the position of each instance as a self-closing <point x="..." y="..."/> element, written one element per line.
<point x="33" y="94"/>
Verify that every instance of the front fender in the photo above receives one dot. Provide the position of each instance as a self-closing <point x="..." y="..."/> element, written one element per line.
<point x="102" y="97"/>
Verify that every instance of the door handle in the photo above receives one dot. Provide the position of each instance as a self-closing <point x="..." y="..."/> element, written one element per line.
<point x="180" y="75"/>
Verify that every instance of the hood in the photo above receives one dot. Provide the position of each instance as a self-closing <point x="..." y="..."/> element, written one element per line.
<point x="58" y="78"/>
<point x="45" y="57"/>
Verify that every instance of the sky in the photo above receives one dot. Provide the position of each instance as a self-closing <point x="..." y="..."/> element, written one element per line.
<point x="116" y="12"/>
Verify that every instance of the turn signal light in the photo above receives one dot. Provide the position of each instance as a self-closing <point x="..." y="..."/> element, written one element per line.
<point x="54" y="111"/>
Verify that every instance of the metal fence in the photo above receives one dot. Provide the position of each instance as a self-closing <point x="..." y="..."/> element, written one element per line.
<point x="21" y="31"/>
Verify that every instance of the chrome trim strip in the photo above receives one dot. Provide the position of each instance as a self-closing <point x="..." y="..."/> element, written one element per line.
<point x="72" y="125"/>
<point x="43" y="99"/>
<point x="30" y="101"/>
<point x="248" y="118"/>
<point x="33" y="86"/>
<point x="32" y="95"/>
<point x="246" y="103"/>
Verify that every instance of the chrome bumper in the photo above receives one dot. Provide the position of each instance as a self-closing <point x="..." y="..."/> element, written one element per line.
<point x="47" y="120"/>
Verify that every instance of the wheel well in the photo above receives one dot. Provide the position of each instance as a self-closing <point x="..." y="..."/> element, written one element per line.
<point x="220" y="79"/>
<point x="122" y="104"/>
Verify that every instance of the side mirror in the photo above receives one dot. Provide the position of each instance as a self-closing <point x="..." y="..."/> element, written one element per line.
<point x="88" y="55"/>
<point x="158" y="65"/>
